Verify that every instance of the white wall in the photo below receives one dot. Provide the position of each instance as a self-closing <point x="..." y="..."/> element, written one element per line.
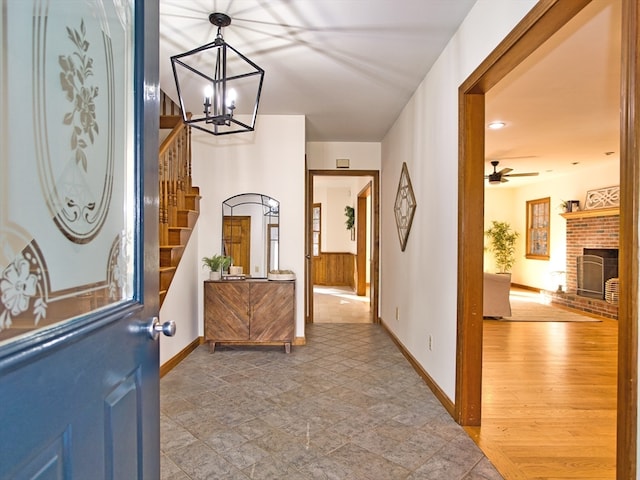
<point x="421" y="282"/>
<point x="181" y="302"/>
<point x="322" y="156"/>
<point x="362" y="155"/>
<point x="509" y="205"/>
<point x="270" y="161"/>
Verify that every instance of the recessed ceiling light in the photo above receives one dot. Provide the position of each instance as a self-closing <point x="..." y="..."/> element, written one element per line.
<point x="496" y="125"/>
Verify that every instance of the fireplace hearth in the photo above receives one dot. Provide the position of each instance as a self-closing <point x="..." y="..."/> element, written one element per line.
<point x="589" y="233"/>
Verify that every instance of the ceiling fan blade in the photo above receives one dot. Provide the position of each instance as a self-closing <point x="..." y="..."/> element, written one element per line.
<point x="505" y="171"/>
<point x="530" y="174"/>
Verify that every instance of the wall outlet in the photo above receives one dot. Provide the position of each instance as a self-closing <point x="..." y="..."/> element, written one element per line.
<point x="430" y="342"/>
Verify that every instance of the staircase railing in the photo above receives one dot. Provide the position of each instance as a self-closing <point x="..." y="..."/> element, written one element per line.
<point x="175" y="177"/>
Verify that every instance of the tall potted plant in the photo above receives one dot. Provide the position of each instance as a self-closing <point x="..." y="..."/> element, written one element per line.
<point x="502" y="242"/>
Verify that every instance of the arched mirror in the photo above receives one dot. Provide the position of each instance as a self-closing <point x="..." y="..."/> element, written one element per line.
<point x="251" y="232"/>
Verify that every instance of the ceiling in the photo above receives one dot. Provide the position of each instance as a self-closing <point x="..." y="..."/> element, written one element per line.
<point x="350" y="66"/>
<point x="561" y="106"/>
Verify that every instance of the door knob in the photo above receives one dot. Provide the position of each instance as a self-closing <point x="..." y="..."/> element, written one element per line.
<point x="155" y="328"/>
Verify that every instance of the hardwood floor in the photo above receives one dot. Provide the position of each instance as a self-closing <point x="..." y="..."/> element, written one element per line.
<point x="549" y="399"/>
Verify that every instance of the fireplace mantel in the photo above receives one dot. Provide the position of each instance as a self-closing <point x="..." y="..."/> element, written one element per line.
<point x="598" y="212"/>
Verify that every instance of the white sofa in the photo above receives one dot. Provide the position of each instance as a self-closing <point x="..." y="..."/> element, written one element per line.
<point x="495" y="295"/>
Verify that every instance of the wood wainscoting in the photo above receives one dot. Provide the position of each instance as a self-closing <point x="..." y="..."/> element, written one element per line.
<point x="334" y="268"/>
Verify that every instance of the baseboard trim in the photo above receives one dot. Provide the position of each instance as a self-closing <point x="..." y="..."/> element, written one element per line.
<point x="525" y="287"/>
<point x="176" y="359"/>
<point x="299" y="341"/>
<point x="433" y="386"/>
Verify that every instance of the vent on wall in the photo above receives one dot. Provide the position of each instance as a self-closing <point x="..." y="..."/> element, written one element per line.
<point x="342" y="163"/>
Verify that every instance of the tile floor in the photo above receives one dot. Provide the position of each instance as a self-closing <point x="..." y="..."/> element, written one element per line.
<point x="345" y="406"/>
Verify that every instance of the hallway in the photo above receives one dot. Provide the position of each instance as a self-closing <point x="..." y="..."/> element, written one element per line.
<point x="346" y="406"/>
<point x="333" y="304"/>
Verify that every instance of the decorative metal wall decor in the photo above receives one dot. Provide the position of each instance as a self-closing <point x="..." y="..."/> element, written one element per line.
<point x="405" y="206"/>
<point x="603" y="198"/>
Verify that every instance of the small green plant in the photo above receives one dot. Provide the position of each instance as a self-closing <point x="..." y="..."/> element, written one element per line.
<point x="351" y="217"/>
<point x="502" y="242"/>
<point x="226" y="262"/>
<point x="217" y="263"/>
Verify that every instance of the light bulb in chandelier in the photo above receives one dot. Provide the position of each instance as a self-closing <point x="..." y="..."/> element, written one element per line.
<point x="208" y="94"/>
<point x="232" y="96"/>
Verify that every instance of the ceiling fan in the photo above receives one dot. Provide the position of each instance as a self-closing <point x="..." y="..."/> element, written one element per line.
<point x="496" y="177"/>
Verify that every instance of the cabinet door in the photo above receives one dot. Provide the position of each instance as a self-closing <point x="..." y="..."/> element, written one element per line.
<point x="272" y="305"/>
<point x="226" y="311"/>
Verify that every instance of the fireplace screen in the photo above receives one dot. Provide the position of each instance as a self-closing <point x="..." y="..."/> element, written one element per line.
<point x="594" y="268"/>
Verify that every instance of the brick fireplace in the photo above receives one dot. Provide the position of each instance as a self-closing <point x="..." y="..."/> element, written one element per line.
<point x="588" y="229"/>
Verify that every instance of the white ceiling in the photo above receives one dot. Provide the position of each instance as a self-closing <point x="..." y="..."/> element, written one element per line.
<point x="561" y="105"/>
<point x="350" y="66"/>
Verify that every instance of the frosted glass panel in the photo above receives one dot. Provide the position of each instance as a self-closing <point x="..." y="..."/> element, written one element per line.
<point x="66" y="169"/>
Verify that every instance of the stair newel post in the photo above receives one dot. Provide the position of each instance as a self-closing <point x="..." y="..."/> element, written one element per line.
<point x="188" y="136"/>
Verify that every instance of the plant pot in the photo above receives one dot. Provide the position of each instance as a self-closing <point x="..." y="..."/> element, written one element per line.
<point x="214" y="275"/>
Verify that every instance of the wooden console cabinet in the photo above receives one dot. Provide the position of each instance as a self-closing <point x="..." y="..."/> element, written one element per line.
<point x="249" y="312"/>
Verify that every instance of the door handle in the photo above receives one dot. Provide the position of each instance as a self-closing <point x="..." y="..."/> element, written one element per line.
<point x="155" y="328"/>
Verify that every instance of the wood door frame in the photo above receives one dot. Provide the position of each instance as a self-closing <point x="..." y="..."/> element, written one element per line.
<point x="375" y="237"/>
<point x="361" y="241"/>
<point x="545" y="18"/>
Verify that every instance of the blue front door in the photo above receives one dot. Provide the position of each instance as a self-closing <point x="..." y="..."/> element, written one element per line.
<point x="78" y="239"/>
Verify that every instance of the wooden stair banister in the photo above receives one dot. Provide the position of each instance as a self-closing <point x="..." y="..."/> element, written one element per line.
<point x="179" y="200"/>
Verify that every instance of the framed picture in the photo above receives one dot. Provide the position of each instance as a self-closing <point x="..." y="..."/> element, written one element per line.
<point x="405" y="206"/>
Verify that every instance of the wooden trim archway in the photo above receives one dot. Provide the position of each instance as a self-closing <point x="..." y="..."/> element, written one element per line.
<point x="546" y="18"/>
<point x="375" y="237"/>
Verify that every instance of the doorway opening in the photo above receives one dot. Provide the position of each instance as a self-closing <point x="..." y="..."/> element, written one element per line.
<point x="342" y="239"/>
<point x="544" y="20"/>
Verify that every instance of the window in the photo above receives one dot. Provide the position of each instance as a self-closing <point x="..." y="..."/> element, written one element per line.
<point x="316" y="229"/>
<point x="538" y="228"/>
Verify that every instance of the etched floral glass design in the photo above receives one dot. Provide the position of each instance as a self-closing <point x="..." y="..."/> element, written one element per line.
<point x="67" y="195"/>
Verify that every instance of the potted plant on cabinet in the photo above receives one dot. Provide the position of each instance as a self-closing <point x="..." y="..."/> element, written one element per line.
<point x="226" y="263"/>
<point x="215" y="264"/>
<point x="502" y="242"/>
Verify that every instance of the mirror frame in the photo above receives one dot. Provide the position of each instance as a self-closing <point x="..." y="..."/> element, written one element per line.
<point x="269" y="230"/>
